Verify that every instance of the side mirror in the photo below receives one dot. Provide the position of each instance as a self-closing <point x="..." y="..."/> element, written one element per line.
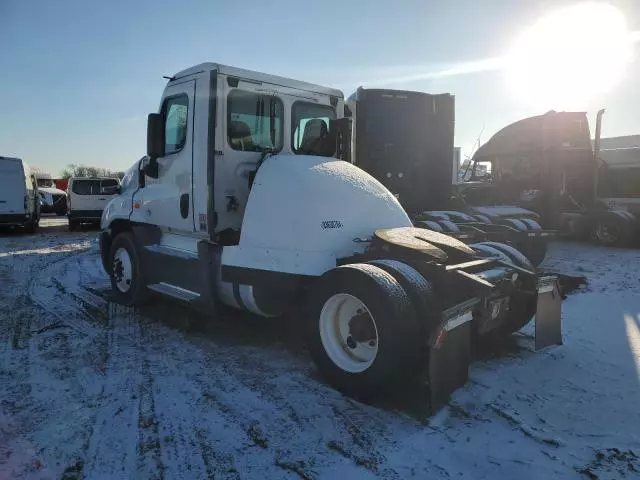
<point x="155" y="143"/>
<point x="155" y="135"/>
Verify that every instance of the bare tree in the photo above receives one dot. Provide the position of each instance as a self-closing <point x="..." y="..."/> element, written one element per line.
<point x="74" y="170"/>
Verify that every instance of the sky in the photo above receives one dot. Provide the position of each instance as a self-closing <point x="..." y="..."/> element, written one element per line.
<point x="78" y="77"/>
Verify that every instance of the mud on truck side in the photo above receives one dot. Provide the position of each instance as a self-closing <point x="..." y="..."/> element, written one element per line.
<point x="244" y="198"/>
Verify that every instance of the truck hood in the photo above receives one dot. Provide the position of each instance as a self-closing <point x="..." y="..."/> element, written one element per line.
<point x="51" y="190"/>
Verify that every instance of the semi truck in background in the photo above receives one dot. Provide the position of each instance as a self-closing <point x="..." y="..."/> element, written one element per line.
<point x="53" y="199"/>
<point x="548" y="164"/>
<point x="245" y="197"/>
<point x="405" y="140"/>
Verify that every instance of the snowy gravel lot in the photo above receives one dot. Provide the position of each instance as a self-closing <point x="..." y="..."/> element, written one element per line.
<point x="92" y="390"/>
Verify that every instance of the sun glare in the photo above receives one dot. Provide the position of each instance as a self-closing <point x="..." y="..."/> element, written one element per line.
<point x="570" y="55"/>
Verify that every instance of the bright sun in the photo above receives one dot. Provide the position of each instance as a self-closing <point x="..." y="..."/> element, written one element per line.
<point x="570" y="55"/>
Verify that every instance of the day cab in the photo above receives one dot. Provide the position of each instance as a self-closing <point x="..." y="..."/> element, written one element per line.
<point x="246" y="197"/>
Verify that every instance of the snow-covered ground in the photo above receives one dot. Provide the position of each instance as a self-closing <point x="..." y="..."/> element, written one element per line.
<point x="91" y="390"/>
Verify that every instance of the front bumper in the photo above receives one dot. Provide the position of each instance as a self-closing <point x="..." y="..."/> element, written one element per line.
<point x="13" y="219"/>
<point x="88" y="215"/>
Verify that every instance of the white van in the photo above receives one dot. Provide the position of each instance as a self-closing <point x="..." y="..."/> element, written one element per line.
<point x="19" y="202"/>
<point x="87" y="197"/>
<point x="53" y="200"/>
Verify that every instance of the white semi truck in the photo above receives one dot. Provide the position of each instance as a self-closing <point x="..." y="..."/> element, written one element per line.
<point x="244" y="198"/>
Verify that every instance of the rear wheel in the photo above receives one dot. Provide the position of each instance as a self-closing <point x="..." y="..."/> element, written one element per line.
<point x="611" y="231"/>
<point x="31" y="226"/>
<point x="362" y="330"/>
<point x="73" y="225"/>
<point x="127" y="277"/>
<point x="522" y="307"/>
<point x="420" y="293"/>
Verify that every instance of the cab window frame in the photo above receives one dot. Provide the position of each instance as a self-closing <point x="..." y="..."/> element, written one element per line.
<point x="266" y="97"/>
<point x="295" y="121"/>
<point x="164" y="112"/>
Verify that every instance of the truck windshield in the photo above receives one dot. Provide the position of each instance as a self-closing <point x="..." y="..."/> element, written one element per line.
<point x="253" y="121"/>
<point x="310" y="125"/>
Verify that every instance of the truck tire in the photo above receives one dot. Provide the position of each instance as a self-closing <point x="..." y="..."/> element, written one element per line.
<point x="517" y="257"/>
<point x="420" y="293"/>
<point x="483" y="219"/>
<point x="516" y="223"/>
<point x="612" y="231"/>
<point x="448" y="226"/>
<point x="362" y="330"/>
<point x="128" y="283"/>
<point x="490" y="251"/>
<point x="522" y="307"/>
<point x="531" y="224"/>
<point x="536" y="250"/>
<point x="430" y="225"/>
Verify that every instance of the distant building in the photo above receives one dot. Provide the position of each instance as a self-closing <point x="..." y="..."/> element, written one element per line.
<point x="627" y="141"/>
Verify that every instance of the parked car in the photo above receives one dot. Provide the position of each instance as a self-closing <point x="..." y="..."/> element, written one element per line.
<point x="87" y="198"/>
<point x="19" y="201"/>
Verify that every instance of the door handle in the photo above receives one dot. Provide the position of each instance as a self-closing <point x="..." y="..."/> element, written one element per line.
<point x="184" y="205"/>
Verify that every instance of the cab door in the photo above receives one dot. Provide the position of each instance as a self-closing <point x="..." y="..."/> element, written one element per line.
<point x="166" y="201"/>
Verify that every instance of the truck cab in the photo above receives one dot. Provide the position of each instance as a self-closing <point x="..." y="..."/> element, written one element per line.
<point x="247" y="166"/>
<point x="246" y="197"/>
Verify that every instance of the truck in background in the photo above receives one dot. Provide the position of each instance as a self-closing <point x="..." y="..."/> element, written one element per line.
<point x="405" y="139"/>
<point x="53" y="199"/>
<point x="548" y="164"/>
<point x="19" y="200"/>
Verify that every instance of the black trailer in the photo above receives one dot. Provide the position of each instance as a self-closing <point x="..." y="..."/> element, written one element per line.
<point x="405" y="140"/>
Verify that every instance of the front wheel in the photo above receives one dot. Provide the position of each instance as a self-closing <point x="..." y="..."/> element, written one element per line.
<point x="363" y="333"/>
<point x="127" y="279"/>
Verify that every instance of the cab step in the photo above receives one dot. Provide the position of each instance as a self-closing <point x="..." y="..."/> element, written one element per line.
<point x="174" y="291"/>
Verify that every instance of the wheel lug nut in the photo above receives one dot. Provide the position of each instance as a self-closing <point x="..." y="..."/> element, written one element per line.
<point x="351" y="343"/>
<point x="372" y="343"/>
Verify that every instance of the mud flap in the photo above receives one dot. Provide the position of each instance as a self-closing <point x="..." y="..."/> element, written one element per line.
<point x="548" y="323"/>
<point x="449" y="357"/>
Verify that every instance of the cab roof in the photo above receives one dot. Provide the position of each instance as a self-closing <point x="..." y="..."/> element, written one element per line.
<point x="256" y="76"/>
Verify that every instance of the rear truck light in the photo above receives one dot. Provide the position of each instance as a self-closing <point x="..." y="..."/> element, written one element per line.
<point x="452" y="319"/>
<point x="450" y="354"/>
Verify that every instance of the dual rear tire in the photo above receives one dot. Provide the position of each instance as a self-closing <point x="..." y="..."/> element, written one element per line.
<point x="365" y="328"/>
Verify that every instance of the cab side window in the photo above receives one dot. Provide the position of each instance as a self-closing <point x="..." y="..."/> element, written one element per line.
<point x="175" y="112"/>
<point x="254" y="121"/>
<point x="310" y="129"/>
